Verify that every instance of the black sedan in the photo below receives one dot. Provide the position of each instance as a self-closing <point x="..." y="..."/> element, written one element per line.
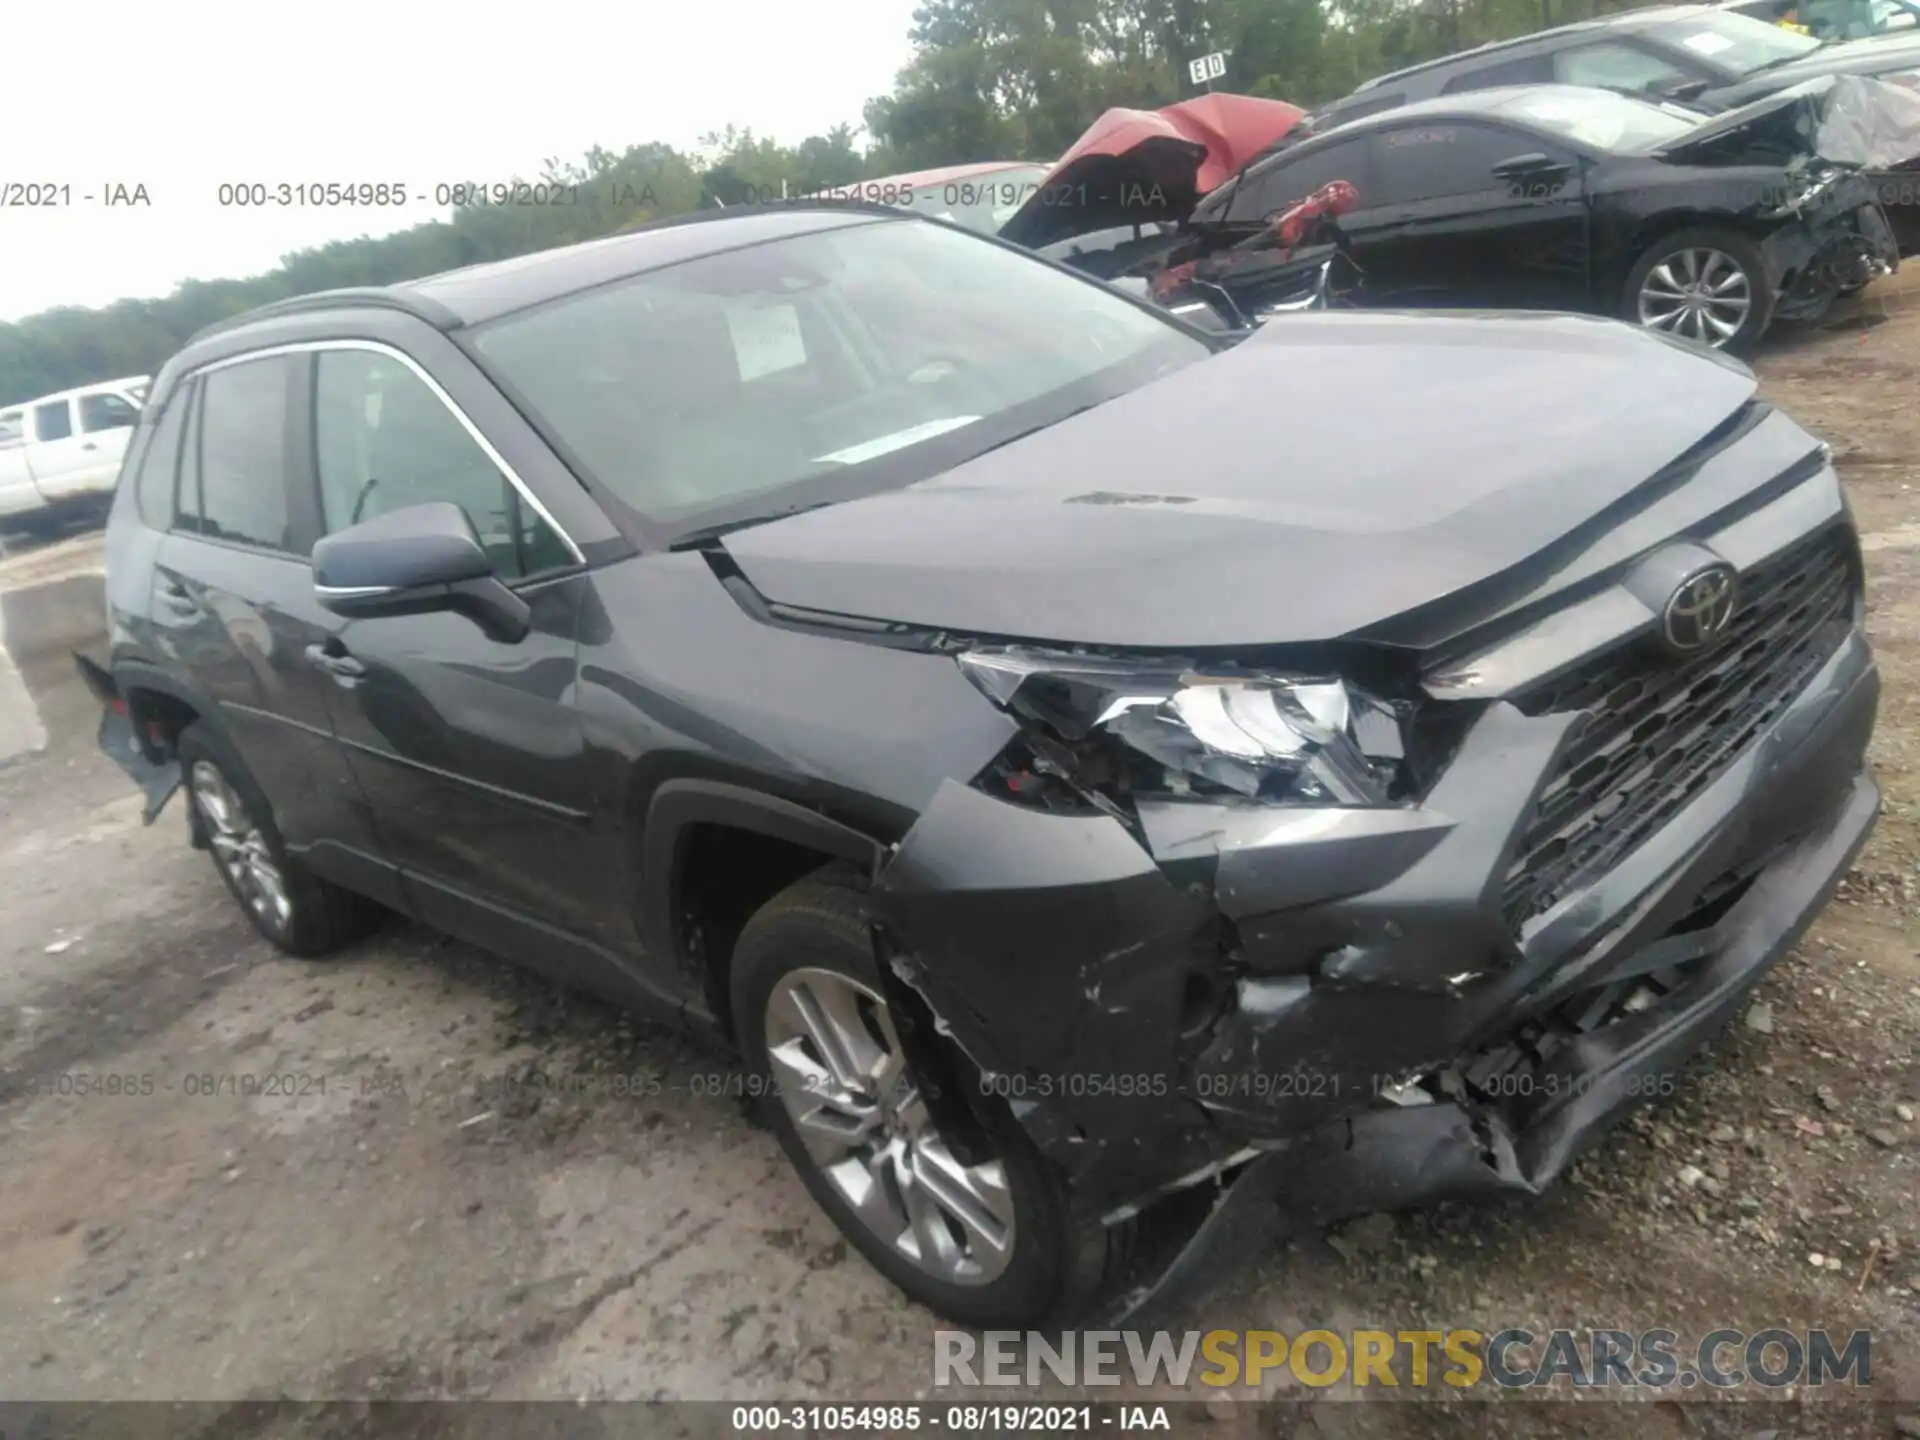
<point x="1564" y="198"/>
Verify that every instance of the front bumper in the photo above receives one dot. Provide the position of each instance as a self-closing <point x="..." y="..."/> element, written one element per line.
<point x="1148" y="1028"/>
<point x="1833" y="252"/>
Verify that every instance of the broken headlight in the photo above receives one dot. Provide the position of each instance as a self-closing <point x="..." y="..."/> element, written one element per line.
<point x="1109" y="729"/>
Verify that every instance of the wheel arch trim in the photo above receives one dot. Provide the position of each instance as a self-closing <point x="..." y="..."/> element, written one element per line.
<point x="680" y="804"/>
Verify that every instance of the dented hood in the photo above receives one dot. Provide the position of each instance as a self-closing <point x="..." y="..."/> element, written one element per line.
<point x="1232" y="504"/>
<point x="1851" y="120"/>
<point x="1142" y="166"/>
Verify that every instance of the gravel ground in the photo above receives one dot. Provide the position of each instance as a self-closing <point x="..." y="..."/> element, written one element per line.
<point x="446" y="1179"/>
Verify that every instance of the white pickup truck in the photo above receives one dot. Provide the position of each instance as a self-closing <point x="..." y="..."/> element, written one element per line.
<point x="62" y="450"/>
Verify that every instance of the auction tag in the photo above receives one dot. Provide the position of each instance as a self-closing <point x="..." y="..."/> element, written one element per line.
<point x="1707" y="43"/>
<point x="766" y="338"/>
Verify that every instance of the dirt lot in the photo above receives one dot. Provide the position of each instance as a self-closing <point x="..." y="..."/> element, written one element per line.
<point x="409" y="1214"/>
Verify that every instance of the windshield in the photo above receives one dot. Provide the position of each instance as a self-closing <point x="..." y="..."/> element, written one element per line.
<point x="756" y="380"/>
<point x="1736" y="43"/>
<point x="1602" y="120"/>
<point x="982" y="202"/>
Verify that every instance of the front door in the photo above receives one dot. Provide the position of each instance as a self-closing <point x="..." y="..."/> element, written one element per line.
<point x="1470" y="214"/>
<point x="233" y="606"/>
<point x="470" y="748"/>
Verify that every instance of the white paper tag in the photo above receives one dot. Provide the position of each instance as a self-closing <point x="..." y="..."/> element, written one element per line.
<point x="766" y="338"/>
<point x="1707" y="43"/>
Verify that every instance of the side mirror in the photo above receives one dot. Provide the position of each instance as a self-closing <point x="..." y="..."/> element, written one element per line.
<point x="1685" y="90"/>
<point x="412" y="562"/>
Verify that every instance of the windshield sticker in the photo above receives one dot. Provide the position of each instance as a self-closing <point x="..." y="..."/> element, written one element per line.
<point x="766" y="338"/>
<point x="898" y="440"/>
<point x="1705" y="42"/>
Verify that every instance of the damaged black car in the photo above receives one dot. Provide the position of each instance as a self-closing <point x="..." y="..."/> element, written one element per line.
<point x="1095" y="775"/>
<point x="1571" y="198"/>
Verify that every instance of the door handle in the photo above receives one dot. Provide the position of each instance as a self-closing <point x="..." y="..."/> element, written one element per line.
<point x="333" y="658"/>
<point x="90" y="445"/>
<point x="178" y="599"/>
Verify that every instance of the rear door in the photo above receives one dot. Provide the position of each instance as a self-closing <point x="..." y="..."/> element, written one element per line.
<point x="1447" y="224"/>
<point x="234" y="608"/>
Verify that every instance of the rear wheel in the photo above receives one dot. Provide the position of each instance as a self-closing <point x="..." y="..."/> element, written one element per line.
<point x="1707" y="285"/>
<point x="984" y="1240"/>
<point x="299" y="912"/>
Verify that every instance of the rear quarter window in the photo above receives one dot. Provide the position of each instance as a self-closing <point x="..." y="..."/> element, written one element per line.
<point x="154" y="488"/>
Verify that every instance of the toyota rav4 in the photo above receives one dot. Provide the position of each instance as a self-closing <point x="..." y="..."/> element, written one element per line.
<point x="1089" y="770"/>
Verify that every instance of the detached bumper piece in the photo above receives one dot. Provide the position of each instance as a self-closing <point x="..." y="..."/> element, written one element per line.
<point x="120" y="742"/>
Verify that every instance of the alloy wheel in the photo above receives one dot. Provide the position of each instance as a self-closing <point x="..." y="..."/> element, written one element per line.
<point x="239" y="846"/>
<point x="1698" y="293"/>
<point x="846" y="1085"/>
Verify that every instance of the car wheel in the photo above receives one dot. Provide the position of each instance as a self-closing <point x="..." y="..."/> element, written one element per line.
<point x="1708" y="285"/>
<point x="986" y="1243"/>
<point x="299" y="912"/>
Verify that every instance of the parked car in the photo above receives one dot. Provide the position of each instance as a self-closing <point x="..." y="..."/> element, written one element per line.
<point x="1085" y="770"/>
<point x="1566" y="198"/>
<point x="1707" y="58"/>
<point x="63" y="451"/>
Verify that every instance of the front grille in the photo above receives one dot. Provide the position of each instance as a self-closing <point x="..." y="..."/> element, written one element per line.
<point x="1655" y="730"/>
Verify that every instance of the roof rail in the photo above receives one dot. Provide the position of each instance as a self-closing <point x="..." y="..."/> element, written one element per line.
<point x="354" y="297"/>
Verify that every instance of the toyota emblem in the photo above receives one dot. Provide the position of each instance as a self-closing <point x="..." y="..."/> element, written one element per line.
<point x="1701" y="610"/>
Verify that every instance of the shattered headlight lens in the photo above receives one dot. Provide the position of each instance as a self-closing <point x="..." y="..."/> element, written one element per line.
<point x="1113" y="728"/>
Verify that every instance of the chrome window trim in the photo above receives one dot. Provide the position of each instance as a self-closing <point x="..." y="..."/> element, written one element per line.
<point x="378" y="347"/>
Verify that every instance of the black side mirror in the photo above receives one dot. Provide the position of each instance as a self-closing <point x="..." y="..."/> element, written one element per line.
<point x="414" y="561"/>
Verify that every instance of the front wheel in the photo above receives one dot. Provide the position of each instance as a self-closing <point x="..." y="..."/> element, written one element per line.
<point x="981" y="1238"/>
<point x="1707" y="285"/>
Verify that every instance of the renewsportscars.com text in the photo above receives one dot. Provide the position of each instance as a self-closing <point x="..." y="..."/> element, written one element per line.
<point x="1509" y="1358"/>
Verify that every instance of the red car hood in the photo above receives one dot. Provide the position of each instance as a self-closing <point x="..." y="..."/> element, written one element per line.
<point x="1146" y="165"/>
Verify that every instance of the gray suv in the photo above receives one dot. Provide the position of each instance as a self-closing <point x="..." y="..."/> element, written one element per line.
<point x="1101" y="788"/>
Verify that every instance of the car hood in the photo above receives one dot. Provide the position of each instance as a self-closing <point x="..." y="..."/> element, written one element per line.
<point x="1236" y="503"/>
<point x="1851" y="120"/>
<point x="1148" y="166"/>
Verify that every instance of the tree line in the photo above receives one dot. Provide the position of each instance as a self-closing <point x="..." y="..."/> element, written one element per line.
<point x="988" y="80"/>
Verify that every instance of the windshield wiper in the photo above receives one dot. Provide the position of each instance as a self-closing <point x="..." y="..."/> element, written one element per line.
<point x="706" y="534"/>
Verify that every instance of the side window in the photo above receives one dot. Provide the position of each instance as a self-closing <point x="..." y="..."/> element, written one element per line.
<point x="52" y="422"/>
<point x="383" y="441"/>
<point x="1297" y="177"/>
<point x="1610" y="65"/>
<point x="1529" y="70"/>
<point x="105" y="411"/>
<point x="242" y="453"/>
<point x="1433" y="162"/>
<point x="13" y="429"/>
<point x="154" y="491"/>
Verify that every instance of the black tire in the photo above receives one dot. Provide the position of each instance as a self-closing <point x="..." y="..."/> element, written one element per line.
<point x="320" y="917"/>
<point x="1734" y="245"/>
<point x="1056" y="1269"/>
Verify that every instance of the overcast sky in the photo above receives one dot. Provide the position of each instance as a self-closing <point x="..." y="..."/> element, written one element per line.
<point x="181" y="98"/>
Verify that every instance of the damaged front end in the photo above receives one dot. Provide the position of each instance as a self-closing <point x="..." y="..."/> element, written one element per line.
<point x="1353" y="936"/>
<point x="1835" y="140"/>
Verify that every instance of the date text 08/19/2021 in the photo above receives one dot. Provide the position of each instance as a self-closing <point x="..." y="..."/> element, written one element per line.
<point x="1030" y="1419"/>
